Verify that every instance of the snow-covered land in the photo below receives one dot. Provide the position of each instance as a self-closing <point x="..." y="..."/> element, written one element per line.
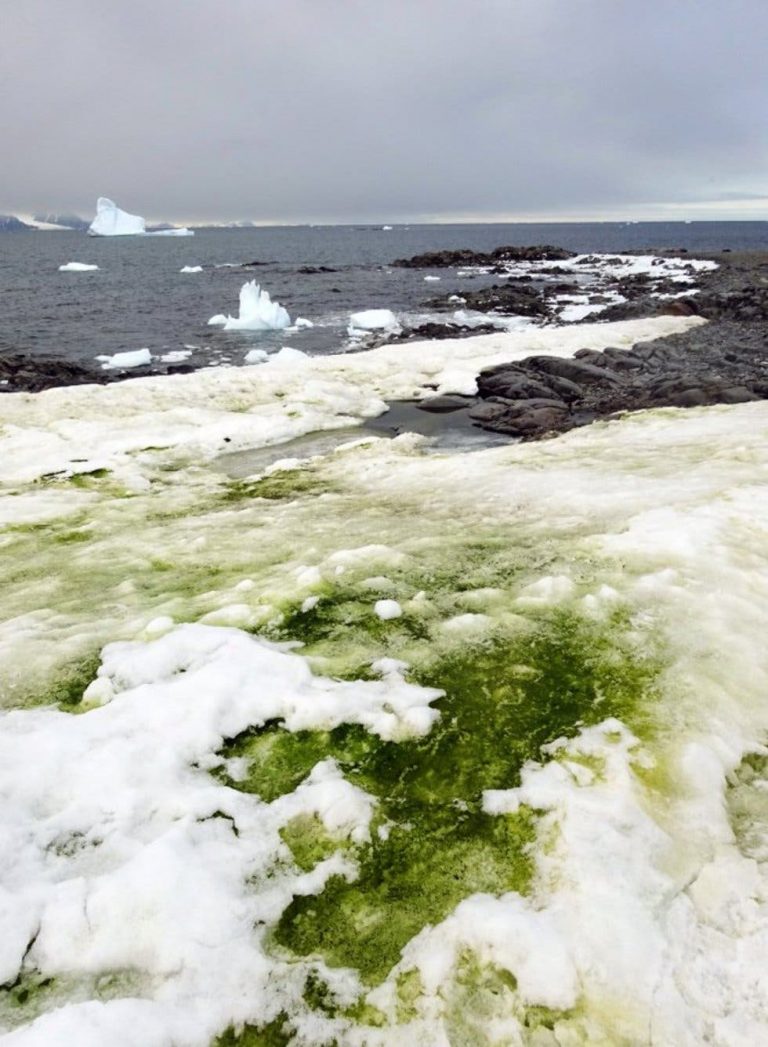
<point x="510" y="790"/>
<point x="111" y="221"/>
<point x="257" y="312"/>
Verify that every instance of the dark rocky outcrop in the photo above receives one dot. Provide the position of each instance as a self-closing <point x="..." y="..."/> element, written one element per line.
<point x="448" y="259"/>
<point x="722" y="362"/>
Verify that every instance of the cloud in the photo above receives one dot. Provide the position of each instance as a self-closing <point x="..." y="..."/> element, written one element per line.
<point x="331" y="110"/>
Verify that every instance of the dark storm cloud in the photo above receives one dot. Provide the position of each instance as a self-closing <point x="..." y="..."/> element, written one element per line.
<point x="348" y="109"/>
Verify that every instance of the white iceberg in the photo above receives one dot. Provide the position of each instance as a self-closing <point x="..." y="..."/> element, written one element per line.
<point x="372" y="320"/>
<point x="111" y="221"/>
<point x="191" y="269"/>
<point x="77" y="267"/>
<point x="257" y="312"/>
<point x="133" y="358"/>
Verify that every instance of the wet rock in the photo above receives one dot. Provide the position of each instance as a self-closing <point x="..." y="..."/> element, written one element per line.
<point x="448" y="259"/>
<point x="444" y="404"/>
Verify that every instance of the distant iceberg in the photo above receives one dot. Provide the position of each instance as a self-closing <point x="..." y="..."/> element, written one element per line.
<point x="191" y="269"/>
<point x="77" y="267"/>
<point x="257" y="312"/>
<point x="111" y="221"/>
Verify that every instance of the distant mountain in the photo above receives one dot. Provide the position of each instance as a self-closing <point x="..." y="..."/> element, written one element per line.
<point x="69" y="221"/>
<point x="9" y="223"/>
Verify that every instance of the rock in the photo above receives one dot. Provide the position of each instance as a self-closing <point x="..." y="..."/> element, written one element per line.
<point x="522" y="417"/>
<point x="446" y="259"/>
<point x="444" y="404"/>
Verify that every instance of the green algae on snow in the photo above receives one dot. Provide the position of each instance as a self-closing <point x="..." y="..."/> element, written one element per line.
<point x="432" y="844"/>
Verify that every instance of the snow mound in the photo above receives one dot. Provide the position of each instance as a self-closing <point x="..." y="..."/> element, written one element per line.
<point x="373" y="320"/>
<point x="257" y="312"/>
<point x="111" y="221"/>
<point x="134" y="358"/>
<point x="191" y="269"/>
<point x="77" y="267"/>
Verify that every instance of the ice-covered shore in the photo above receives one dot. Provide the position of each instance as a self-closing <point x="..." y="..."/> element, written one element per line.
<point x="202" y="847"/>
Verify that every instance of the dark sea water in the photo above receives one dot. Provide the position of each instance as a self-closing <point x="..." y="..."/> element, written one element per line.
<point x="138" y="298"/>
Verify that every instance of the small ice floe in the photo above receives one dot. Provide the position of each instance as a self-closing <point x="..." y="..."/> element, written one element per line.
<point x="257" y="312"/>
<point x="432" y="279"/>
<point x="386" y="228"/>
<point x="302" y="322"/>
<point x="134" y="358"/>
<point x="457" y="299"/>
<point x="175" y="356"/>
<point x="372" y="320"/>
<point x="191" y="269"/>
<point x="256" y="356"/>
<point x="77" y="267"/>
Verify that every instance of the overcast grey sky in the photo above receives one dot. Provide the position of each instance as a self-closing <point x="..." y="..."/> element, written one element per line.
<point x="354" y="110"/>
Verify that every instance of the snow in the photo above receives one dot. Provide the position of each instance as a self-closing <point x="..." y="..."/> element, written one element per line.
<point x="111" y="221"/>
<point x="77" y="267"/>
<point x="387" y="609"/>
<point x="256" y="356"/>
<point x="191" y="269"/>
<point x="660" y="515"/>
<point x="134" y="358"/>
<point x="257" y="312"/>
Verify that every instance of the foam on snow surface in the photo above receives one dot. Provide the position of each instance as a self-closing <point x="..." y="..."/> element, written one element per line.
<point x="646" y="920"/>
<point x="257" y="312"/>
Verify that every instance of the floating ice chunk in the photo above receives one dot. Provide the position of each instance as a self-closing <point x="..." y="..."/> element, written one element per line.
<point x="171" y="232"/>
<point x="457" y="298"/>
<point x="373" y="320"/>
<point x="431" y="279"/>
<point x="301" y="322"/>
<point x="218" y="320"/>
<point x="254" y="356"/>
<point x="191" y="269"/>
<point x="387" y="609"/>
<point x="135" y="358"/>
<point x="77" y="267"/>
<point x="176" y="356"/>
<point x="111" y="221"/>
<point x="386" y="228"/>
<point x="257" y="312"/>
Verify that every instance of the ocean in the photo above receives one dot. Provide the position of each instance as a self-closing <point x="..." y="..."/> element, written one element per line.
<point x="138" y="298"/>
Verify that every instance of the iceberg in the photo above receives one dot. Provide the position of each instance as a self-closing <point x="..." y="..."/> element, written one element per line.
<point x="257" y="312"/>
<point x="111" y="221"/>
<point x="77" y="267"/>
<point x="191" y="269"/>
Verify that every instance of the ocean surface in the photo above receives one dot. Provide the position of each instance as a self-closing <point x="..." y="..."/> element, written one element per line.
<point x="138" y="298"/>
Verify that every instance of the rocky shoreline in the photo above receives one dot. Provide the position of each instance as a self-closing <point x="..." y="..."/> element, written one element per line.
<point x="722" y="361"/>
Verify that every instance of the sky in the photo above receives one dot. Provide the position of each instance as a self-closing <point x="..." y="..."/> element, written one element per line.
<point x="295" y="111"/>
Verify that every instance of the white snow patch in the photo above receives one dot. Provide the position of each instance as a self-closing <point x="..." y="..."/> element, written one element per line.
<point x="387" y="609"/>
